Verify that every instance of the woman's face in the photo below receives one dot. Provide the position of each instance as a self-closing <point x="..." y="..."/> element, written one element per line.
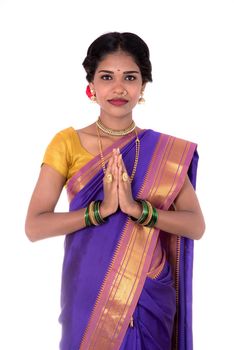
<point x="117" y="84"/>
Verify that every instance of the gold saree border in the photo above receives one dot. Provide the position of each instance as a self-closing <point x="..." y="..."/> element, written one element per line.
<point x="127" y="272"/>
<point x="122" y="291"/>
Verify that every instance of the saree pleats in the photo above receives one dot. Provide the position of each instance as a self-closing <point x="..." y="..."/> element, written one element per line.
<point x="119" y="269"/>
<point x="154" y="315"/>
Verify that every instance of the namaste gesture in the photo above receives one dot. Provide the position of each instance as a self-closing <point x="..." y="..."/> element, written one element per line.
<point x="117" y="189"/>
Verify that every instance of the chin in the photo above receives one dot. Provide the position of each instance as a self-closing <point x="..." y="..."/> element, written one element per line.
<point x="117" y="112"/>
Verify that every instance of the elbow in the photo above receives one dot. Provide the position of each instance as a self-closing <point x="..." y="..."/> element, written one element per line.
<point x="200" y="230"/>
<point x="30" y="232"/>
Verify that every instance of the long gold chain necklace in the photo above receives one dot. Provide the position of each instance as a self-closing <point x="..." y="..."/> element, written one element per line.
<point x="136" y="154"/>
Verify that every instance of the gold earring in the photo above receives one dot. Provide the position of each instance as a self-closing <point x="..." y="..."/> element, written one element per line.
<point x="93" y="97"/>
<point x="141" y="98"/>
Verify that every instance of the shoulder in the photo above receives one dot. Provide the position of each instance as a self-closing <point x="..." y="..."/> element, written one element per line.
<point x="62" y="144"/>
<point x="63" y="138"/>
<point x="66" y="133"/>
<point x="156" y="135"/>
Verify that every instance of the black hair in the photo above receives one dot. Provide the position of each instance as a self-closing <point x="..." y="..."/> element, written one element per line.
<point x="112" y="42"/>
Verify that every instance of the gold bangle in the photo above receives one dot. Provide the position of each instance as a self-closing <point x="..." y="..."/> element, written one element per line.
<point x="91" y="214"/>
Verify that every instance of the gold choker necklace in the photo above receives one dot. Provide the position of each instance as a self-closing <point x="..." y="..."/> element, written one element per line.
<point x="113" y="132"/>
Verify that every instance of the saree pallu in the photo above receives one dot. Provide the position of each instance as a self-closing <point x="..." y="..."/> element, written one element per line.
<point x="118" y="271"/>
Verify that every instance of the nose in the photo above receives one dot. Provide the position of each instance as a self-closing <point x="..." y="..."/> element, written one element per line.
<point x="119" y="90"/>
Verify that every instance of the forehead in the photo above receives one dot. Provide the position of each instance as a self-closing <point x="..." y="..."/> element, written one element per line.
<point x="118" y="61"/>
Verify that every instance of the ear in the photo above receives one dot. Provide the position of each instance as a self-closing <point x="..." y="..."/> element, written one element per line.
<point x="143" y="87"/>
<point x="91" y="85"/>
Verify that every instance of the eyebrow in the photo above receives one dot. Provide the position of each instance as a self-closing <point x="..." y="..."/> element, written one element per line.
<point x="126" y="72"/>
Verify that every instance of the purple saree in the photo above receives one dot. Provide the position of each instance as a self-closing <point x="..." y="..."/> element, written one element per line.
<point x="118" y="272"/>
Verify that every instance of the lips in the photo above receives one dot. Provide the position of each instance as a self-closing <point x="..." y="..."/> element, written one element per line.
<point x="118" y="101"/>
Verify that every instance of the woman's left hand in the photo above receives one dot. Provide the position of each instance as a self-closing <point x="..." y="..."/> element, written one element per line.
<point x="126" y="202"/>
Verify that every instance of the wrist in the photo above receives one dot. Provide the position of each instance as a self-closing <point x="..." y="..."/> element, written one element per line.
<point x="105" y="210"/>
<point x="92" y="214"/>
<point x="134" y="210"/>
<point x="148" y="216"/>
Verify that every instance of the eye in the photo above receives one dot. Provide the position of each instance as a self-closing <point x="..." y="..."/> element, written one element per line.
<point x="130" y="77"/>
<point x="106" y="77"/>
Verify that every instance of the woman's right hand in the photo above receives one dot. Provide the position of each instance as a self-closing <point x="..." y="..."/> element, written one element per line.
<point x="110" y="201"/>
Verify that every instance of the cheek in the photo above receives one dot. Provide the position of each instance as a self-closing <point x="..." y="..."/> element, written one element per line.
<point x="136" y="95"/>
<point x="135" y="90"/>
<point x="100" y="88"/>
<point x="101" y="94"/>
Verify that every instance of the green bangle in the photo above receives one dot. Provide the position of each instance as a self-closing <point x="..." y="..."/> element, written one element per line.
<point x="154" y="218"/>
<point x="144" y="213"/>
<point x="149" y="217"/>
<point x="97" y="214"/>
<point x="87" y="219"/>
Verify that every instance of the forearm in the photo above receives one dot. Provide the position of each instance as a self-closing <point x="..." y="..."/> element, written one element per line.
<point x="50" y="224"/>
<point x="180" y="222"/>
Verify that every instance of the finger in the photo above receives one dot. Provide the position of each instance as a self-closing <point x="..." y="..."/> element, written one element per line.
<point x="120" y="171"/>
<point x="123" y="175"/>
<point x="114" y="165"/>
<point x="116" y="174"/>
<point x="116" y="158"/>
<point x="108" y="178"/>
<point x="121" y="162"/>
<point x="109" y="165"/>
<point x="123" y="165"/>
<point x="114" y="170"/>
<point x="113" y="157"/>
<point x="110" y="173"/>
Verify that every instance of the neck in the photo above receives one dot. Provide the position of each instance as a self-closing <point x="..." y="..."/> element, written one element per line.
<point x="116" y="123"/>
<point x="114" y="132"/>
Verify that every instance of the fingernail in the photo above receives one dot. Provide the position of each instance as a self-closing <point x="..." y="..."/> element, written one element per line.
<point x="118" y="150"/>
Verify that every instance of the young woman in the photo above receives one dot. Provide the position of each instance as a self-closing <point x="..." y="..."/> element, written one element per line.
<point x="133" y="215"/>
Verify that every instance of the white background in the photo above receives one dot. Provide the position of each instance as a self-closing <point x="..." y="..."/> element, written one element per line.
<point x="42" y="90"/>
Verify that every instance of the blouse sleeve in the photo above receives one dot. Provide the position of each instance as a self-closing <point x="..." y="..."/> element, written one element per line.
<point x="57" y="154"/>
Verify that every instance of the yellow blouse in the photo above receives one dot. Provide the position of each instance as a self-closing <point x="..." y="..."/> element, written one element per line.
<point x="66" y="154"/>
